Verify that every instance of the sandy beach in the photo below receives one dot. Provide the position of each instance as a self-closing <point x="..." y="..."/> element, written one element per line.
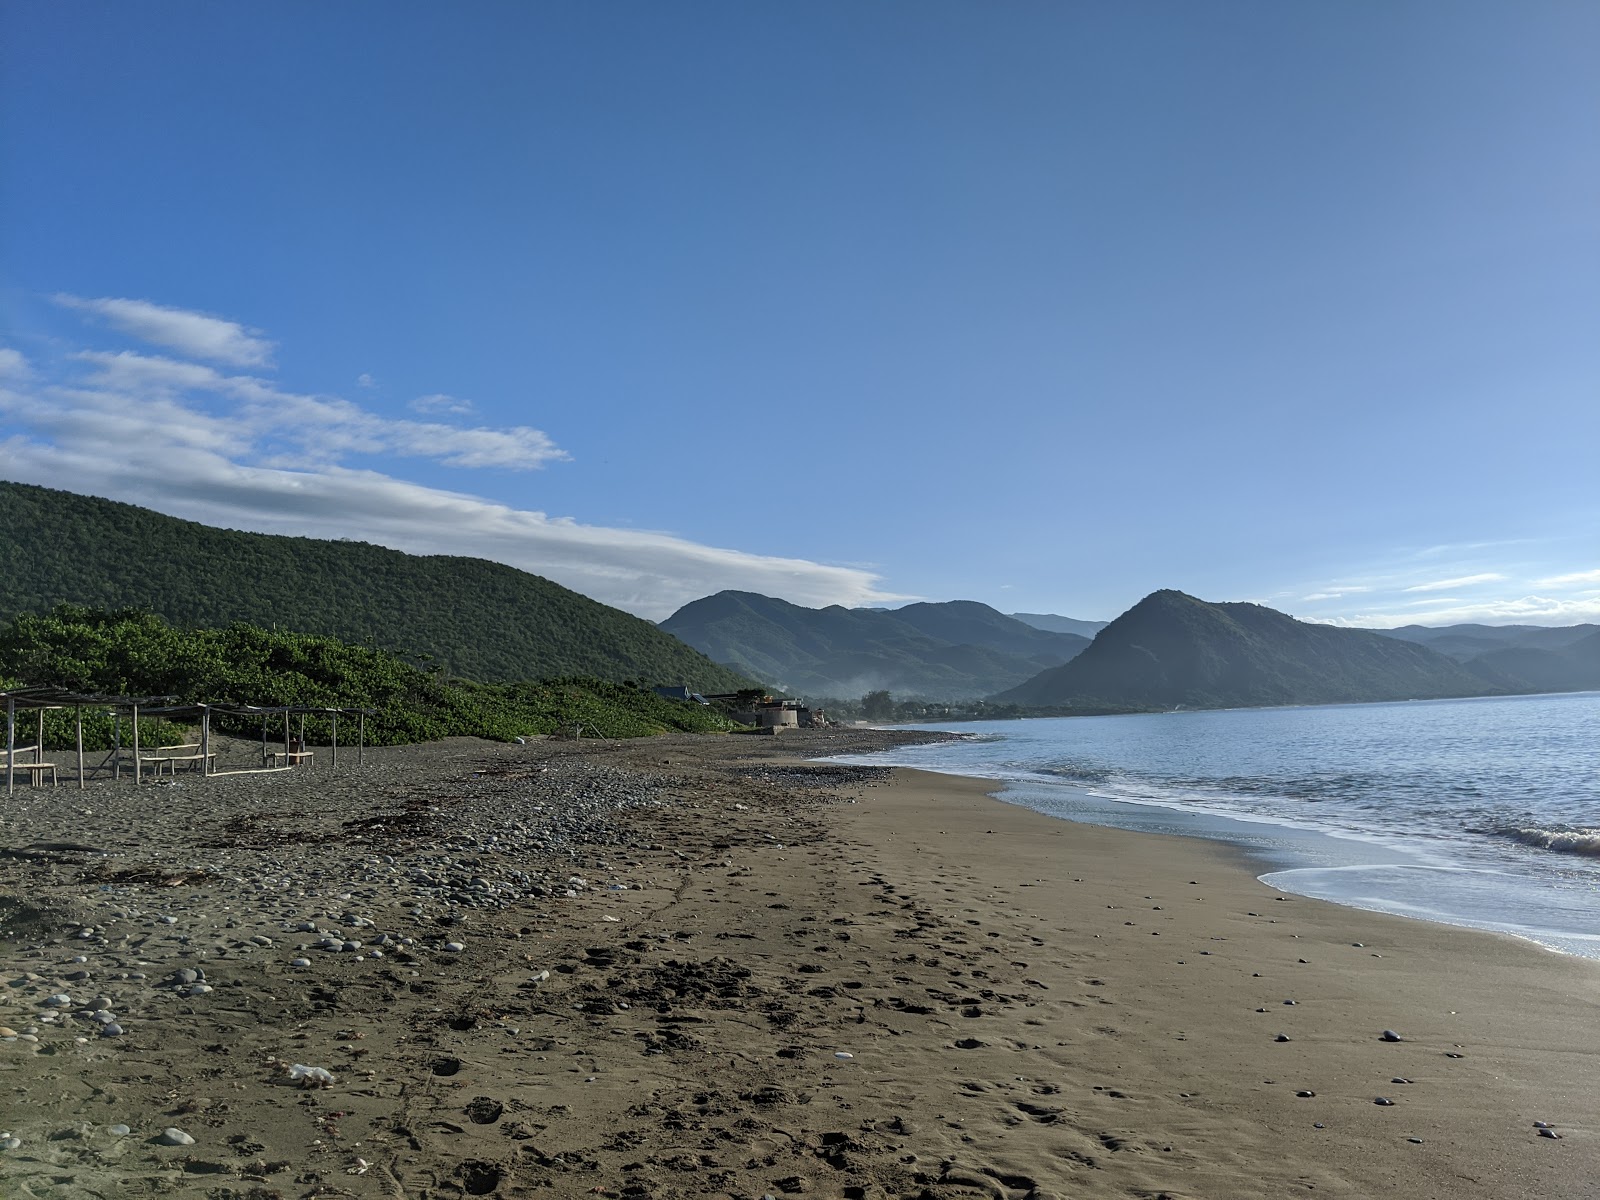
<point x="709" y="967"/>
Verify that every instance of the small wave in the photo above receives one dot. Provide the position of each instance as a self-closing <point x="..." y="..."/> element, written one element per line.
<point x="1078" y="774"/>
<point x="1564" y="841"/>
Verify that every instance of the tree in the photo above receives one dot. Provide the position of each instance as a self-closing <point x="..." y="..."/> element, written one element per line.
<point x="877" y="706"/>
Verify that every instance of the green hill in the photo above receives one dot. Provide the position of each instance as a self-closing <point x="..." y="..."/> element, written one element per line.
<point x="475" y="619"/>
<point x="1171" y="649"/>
<point x="952" y="651"/>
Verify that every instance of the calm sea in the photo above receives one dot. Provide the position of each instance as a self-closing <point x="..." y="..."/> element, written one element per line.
<point x="1480" y="812"/>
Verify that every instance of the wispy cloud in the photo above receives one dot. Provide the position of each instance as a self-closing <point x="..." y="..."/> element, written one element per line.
<point x="290" y="429"/>
<point x="1521" y="610"/>
<point x="1461" y="581"/>
<point x="198" y="335"/>
<point x="1577" y="578"/>
<point x="441" y="403"/>
<point x="365" y="380"/>
<point x="237" y="450"/>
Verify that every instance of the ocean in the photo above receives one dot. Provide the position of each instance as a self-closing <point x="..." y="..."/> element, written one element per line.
<point x="1480" y="812"/>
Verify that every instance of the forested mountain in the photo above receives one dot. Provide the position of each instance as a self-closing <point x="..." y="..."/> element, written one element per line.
<point x="1171" y="649"/>
<point x="1464" y="642"/>
<point x="1574" y="667"/>
<point x="475" y="619"/>
<point x="1055" y="624"/>
<point x="958" y="650"/>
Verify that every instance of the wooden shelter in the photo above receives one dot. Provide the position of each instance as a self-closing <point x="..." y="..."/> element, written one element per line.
<point x="42" y="699"/>
<point x="46" y="698"/>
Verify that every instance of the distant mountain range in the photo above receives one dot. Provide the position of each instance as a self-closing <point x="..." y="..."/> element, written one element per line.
<point x="1057" y="624"/>
<point x="475" y="619"/>
<point x="1167" y="651"/>
<point x="1518" y="658"/>
<point x="956" y="650"/>
<point x="1173" y="650"/>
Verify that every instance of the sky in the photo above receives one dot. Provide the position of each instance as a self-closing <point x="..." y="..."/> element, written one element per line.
<point x="1043" y="304"/>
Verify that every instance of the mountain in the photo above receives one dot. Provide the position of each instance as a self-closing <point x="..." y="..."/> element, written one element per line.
<point x="1517" y="658"/>
<point x="953" y="651"/>
<point x="475" y="619"/>
<point x="1574" y="667"/>
<point x="1055" y="624"/>
<point x="1464" y="642"/>
<point x="1171" y="649"/>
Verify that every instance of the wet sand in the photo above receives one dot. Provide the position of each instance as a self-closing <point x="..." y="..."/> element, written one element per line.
<point x="707" y="967"/>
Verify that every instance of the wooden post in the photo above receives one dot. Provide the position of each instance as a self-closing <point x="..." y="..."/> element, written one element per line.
<point x="138" y="774"/>
<point x="11" y="745"/>
<point x="263" y="739"/>
<point x="116" y="744"/>
<point x="38" y="742"/>
<point x="79" y="723"/>
<point x="335" y="759"/>
<point x="286" y="737"/>
<point x="205" y="740"/>
<point x="361" y="737"/>
<point x="302" y="762"/>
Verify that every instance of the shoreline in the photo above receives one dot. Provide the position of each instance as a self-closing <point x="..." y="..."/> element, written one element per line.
<point x="713" y="967"/>
<point x="1366" y="870"/>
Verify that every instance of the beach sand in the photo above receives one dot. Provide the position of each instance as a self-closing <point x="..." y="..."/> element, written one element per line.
<point x="706" y="967"/>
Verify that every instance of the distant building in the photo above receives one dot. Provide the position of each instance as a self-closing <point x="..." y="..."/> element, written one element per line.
<point x="680" y="692"/>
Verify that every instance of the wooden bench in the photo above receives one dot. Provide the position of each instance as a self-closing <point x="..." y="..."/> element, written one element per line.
<point x="170" y="756"/>
<point x="36" y="770"/>
<point x="291" y="758"/>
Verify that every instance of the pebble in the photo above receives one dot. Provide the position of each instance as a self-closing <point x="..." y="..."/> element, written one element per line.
<point x="118" y="1130"/>
<point x="1282" y="1037"/>
<point x="10" y="1143"/>
<point x="1399" y="1079"/>
<point x="454" y="947"/>
<point x="1415" y="1141"/>
<point x="843" y="1054"/>
<point x="1548" y="1132"/>
<point x="1385" y="1101"/>
<point x="111" y="1029"/>
<point x="1389" y="1035"/>
<point x="1305" y="1095"/>
<point x="300" y="962"/>
<point x="173" y="1136"/>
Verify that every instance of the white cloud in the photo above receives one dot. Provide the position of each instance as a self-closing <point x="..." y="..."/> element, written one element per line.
<point x="440" y="403"/>
<point x="196" y="334"/>
<point x="1323" y="596"/>
<point x="237" y="451"/>
<point x="1521" y="610"/>
<point x="289" y="428"/>
<point x="1444" y="585"/>
<point x="1574" y="579"/>
<point x="13" y="365"/>
<point x="365" y="380"/>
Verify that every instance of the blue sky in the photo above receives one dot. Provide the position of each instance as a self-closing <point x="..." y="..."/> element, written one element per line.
<point x="1046" y="305"/>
